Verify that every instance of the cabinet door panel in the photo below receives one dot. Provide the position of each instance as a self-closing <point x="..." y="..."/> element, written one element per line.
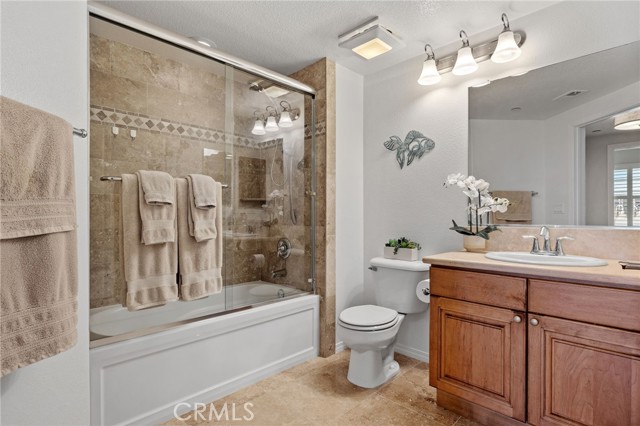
<point x="478" y="353"/>
<point x="583" y="374"/>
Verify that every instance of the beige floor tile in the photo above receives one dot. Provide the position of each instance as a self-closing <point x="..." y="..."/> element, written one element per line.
<point x="380" y="411"/>
<point x="318" y="393"/>
<point x="418" y="398"/>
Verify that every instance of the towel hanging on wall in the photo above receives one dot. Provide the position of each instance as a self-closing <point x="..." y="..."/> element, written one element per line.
<point x="38" y="308"/>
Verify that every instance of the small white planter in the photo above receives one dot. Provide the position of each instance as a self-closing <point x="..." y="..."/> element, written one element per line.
<point x="403" y="254"/>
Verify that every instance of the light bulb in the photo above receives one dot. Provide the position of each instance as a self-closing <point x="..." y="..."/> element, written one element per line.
<point x="285" y="119"/>
<point x="465" y="62"/>
<point x="271" y="125"/>
<point x="430" y="74"/>
<point x="258" y="127"/>
<point x="507" y="48"/>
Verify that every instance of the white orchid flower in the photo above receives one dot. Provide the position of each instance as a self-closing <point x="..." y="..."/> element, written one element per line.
<point x="481" y="185"/>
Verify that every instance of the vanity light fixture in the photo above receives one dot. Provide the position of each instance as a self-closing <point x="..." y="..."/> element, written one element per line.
<point x="258" y="126"/>
<point x="288" y="115"/>
<point x="271" y="125"/>
<point x="627" y="121"/>
<point x="465" y="62"/>
<point x="430" y="74"/>
<point x="507" y="49"/>
<point x="369" y="39"/>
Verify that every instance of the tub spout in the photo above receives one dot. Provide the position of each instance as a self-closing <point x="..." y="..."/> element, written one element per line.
<point x="279" y="273"/>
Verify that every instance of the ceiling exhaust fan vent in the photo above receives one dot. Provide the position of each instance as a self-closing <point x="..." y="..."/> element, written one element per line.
<point x="570" y="94"/>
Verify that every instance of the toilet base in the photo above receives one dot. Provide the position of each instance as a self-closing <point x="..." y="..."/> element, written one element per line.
<point x="372" y="368"/>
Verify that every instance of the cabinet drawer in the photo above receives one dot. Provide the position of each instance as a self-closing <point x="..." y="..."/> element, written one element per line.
<point x="597" y="305"/>
<point x="488" y="289"/>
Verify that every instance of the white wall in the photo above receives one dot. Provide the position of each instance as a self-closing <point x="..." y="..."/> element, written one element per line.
<point x="413" y="202"/>
<point x="44" y="64"/>
<point x="510" y="152"/>
<point x="349" y="189"/>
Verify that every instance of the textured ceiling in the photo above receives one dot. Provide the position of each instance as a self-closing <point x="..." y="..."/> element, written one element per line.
<point x="286" y="36"/>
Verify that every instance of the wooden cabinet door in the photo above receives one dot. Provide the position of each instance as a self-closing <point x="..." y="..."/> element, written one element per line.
<point x="478" y="353"/>
<point x="582" y="374"/>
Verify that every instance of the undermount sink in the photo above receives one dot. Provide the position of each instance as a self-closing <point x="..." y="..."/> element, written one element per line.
<point x="540" y="259"/>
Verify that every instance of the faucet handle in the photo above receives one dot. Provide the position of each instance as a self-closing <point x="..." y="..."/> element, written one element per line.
<point x="559" y="250"/>
<point x="535" y="248"/>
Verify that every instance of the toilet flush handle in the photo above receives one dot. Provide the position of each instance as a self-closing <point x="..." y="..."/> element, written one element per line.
<point x="373" y="268"/>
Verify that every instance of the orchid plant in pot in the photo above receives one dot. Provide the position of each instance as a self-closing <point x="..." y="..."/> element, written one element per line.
<point x="480" y="202"/>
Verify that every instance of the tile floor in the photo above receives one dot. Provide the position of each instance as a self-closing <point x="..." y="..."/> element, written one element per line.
<point x="317" y="393"/>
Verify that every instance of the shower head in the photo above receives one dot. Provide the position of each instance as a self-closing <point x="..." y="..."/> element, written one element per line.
<point x="256" y="87"/>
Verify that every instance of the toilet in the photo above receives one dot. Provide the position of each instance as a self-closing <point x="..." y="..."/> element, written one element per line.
<point x="371" y="330"/>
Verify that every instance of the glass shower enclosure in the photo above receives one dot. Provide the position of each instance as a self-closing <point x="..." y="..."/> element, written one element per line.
<point x="159" y="106"/>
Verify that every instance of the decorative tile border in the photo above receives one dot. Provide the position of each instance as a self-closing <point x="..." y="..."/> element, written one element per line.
<point x="132" y="120"/>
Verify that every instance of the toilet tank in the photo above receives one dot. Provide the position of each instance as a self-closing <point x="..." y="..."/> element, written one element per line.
<point x="395" y="283"/>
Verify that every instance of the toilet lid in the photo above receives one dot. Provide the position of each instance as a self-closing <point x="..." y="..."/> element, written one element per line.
<point x="367" y="315"/>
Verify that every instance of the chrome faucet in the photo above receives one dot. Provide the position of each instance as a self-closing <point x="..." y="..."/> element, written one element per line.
<point x="546" y="246"/>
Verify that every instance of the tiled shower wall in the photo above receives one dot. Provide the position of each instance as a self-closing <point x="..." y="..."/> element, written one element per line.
<point x="178" y="113"/>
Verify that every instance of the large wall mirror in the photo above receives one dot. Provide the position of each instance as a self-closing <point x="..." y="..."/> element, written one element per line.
<point x="550" y="141"/>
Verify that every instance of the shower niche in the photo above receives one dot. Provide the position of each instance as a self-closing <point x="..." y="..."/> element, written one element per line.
<point x="157" y="106"/>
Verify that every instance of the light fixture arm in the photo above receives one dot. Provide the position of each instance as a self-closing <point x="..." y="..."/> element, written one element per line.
<point x="429" y="51"/>
<point x="285" y="106"/>
<point x="505" y="22"/>
<point x="465" y="39"/>
<point x="270" y="113"/>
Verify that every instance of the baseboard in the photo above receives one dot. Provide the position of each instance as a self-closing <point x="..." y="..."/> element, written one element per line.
<point x="412" y="352"/>
<point x="340" y="346"/>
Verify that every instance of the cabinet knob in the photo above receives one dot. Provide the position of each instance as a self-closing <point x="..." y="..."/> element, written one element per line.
<point x="517" y="318"/>
<point x="534" y="322"/>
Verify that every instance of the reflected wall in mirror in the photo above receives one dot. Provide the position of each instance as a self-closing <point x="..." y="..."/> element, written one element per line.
<point x="551" y="131"/>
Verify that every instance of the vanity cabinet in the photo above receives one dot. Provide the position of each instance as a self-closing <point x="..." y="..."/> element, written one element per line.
<point x="514" y="350"/>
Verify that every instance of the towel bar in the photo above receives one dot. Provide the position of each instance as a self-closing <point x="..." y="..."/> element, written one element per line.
<point x="119" y="179"/>
<point x="80" y="132"/>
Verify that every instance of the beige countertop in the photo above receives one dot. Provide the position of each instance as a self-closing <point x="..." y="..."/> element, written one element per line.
<point x="611" y="275"/>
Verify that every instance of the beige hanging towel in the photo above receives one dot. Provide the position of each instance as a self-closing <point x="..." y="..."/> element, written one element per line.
<point x="38" y="273"/>
<point x="149" y="270"/>
<point x="519" y="211"/>
<point x="202" y="206"/>
<point x="156" y="198"/>
<point x="200" y="263"/>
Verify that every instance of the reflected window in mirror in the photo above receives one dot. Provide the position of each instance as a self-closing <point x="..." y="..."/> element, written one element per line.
<point x="624" y="183"/>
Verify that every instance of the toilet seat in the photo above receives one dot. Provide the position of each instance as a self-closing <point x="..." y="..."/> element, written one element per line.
<point x="368" y="318"/>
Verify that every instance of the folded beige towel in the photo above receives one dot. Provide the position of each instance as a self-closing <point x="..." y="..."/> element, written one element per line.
<point x="204" y="191"/>
<point x="158" y="187"/>
<point x="200" y="262"/>
<point x="149" y="270"/>
<point x="519" y="211"/>
<point x="157" y="207"/>
<point x="202" y="221"/>
<point x="38" y="258"/>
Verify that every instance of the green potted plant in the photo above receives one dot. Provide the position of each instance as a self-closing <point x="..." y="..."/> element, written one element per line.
<point x="401" y="249"/>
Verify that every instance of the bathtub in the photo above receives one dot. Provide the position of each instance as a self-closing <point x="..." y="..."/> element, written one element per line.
<point x="115" y="320"/>
<point x="141" y="379"/>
